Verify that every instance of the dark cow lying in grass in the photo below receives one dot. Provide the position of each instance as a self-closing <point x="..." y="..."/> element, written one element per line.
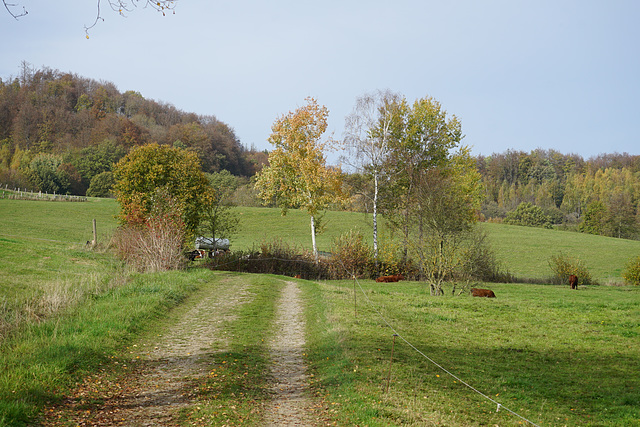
<point x="390" y="279"/>
<point x="476" y="292"/>
<point x="573" y="281"/>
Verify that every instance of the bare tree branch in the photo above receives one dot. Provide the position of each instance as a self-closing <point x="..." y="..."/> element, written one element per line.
<point x="8" y="6"/>
<point x="119" y="6"/>
<point x="123" y="6"/>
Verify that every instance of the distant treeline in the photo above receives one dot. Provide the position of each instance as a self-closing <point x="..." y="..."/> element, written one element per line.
<point x="599" y="195"/>
<point x="59" y="130"/>
<point x="61" y="133"/>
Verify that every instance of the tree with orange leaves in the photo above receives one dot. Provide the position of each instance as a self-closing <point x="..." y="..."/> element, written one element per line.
<point x="297" y="175"/>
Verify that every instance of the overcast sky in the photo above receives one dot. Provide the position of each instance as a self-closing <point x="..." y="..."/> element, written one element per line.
<point x="519" y="75"/>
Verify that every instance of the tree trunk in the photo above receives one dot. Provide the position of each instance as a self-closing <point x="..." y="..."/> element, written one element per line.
<point x="313" y="237"/>
<point x="375" y="219"/>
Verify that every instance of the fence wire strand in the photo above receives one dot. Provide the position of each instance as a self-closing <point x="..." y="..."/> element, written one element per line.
<point x="439" y="366"/>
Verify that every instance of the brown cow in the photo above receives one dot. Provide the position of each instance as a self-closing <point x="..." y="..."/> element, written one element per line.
<point x="476" y="292"/>
<point x="390" y="279"/>
<point x="573" y="281"/>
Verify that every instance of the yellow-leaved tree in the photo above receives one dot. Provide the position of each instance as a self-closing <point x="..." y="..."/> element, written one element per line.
<point x="297" y="175"/>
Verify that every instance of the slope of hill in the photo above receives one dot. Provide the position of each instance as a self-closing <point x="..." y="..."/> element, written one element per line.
<point x="81" y="126"/>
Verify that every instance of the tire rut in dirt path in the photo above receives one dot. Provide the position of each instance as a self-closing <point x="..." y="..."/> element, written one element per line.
<point x="290" y="406"/>
<point x="159" y="383"/>
<point x="183" y="354"/>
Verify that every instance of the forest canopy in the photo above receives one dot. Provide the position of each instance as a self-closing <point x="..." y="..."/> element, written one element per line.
<point x="85" y="126"/>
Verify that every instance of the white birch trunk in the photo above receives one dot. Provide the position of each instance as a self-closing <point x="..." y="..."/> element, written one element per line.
<point x="375" y="217"/>
<point x="313" y="237"/>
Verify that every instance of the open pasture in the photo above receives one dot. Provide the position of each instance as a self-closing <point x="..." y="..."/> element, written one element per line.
<point x="523" y="251"/>
<point x="44" y="265"/>
<point x="551" y="355"/>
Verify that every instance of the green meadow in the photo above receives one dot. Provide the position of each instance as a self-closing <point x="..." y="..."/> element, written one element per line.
<point x="523" y="251"/>
<point x="551" y="355"/>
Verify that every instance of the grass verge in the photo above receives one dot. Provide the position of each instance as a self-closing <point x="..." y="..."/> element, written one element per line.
<point x="41" y="362"/>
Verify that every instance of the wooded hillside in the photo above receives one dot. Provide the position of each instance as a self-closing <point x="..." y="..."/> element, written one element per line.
<point x="59" y="130"/>
<point x="599" y="195"/>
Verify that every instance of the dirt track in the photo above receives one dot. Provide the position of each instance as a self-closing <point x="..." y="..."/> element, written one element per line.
<point x="157" y="389"/>
<point x="290" y="406"/>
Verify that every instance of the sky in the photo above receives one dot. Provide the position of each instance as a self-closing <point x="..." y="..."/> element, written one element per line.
<point x="519" y="75"/>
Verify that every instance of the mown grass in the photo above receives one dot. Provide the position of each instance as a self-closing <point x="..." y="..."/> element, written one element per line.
<point x="553" y="356"/>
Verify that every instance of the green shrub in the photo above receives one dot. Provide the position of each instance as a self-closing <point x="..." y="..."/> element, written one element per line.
<point x="555" y="215"/>
<point x="350" y="255"/>
<point x="563" y="266"/>
<point x="631" y="273"/>
<point x="529" y="215"/>
<point x="101" y="185"/>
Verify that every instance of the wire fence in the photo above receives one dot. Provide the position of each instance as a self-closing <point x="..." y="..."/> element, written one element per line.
<point x="25" y="194"/>
<point x="432" y="361"/>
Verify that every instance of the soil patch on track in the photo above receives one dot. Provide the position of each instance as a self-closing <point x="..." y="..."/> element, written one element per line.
<point x="290" y="406"/>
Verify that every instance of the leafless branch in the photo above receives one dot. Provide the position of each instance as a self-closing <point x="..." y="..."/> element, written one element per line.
<point x="8" y="6"/>
<point x="124" y="6"/>
<point x="119" y="6"/>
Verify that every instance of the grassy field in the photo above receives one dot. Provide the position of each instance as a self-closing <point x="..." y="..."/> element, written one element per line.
<point x="553" y="356"/>
<point x="523" y="251"/>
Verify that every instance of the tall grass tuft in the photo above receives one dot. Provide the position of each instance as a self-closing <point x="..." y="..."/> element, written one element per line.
<point x="154" y="246"/>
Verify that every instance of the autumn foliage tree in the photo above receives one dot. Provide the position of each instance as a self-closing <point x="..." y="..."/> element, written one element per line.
<point x="91" y="125"/>
<point x="139" y="175"/>
<point x="297" y="175"/>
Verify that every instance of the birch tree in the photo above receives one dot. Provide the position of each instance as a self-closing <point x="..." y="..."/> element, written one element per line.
<point x="297" y="175"/>
<point x="421" y="140"/>
<point x="366" y="141"/>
